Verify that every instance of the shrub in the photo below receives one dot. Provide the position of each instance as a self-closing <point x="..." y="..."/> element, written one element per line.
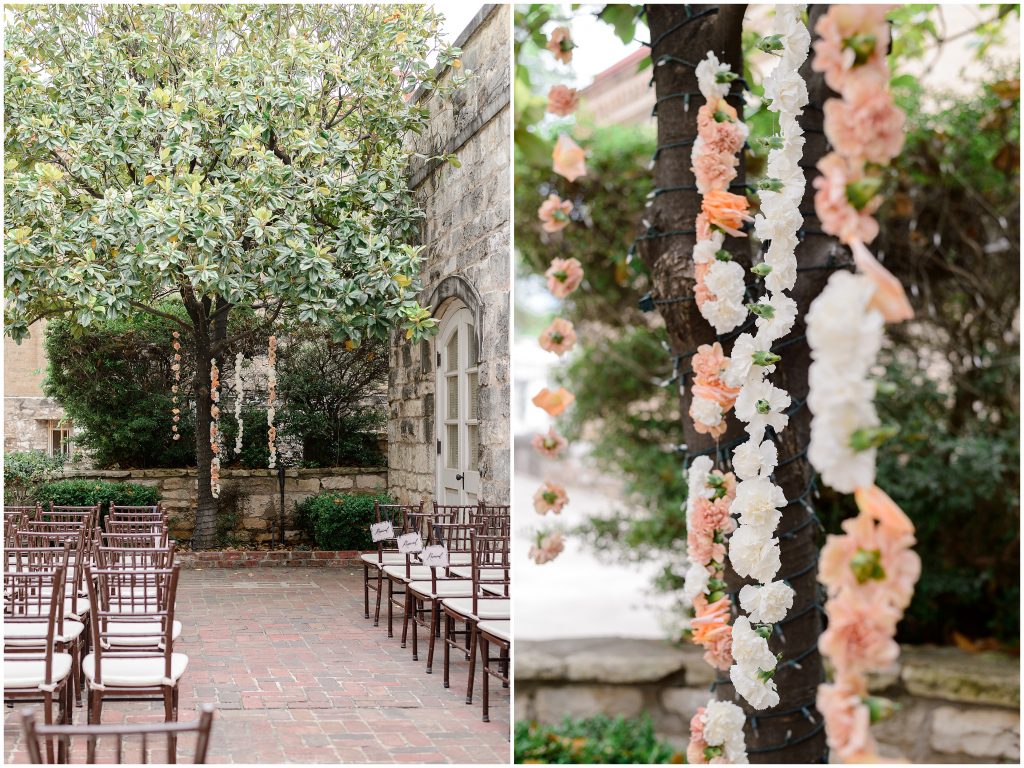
<point x="339" y="521"/>
<point x="24" y="470"/>
<point x="600" y="740"/>
<point x="83" y="493"/>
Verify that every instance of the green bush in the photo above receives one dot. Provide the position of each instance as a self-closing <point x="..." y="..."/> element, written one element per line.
<point x="595" y="740"/>
<point x="83" y="493"/>
<point x="339" y="521"/>
<point x="24" y="470"/>
<point x="255" y="450"/>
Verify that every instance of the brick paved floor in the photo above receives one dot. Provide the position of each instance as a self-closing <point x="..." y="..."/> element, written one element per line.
<point x="298" y="675"/>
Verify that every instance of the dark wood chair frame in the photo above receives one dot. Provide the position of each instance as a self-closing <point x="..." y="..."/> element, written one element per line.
<point x="396" y="514"/>
<point x="502" y="660"/>
<point x="93" y="733"/>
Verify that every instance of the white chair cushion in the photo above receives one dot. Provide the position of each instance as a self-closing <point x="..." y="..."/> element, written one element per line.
<point x="487" y="609"/>
<point x="390" y="558"/>
<point x="80" y="609"/>
<point x="499" y="629"/>
<point x="31" y="674"/>
<point x="449" y="588"/>
<point x="16" y="631"/>
<point x="417" y="572"/>
<point x="139" y="633"/>
<point x="134" y="673"/>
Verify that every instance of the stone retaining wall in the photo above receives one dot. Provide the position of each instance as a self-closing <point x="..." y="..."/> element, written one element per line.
<point x="294" y="558"/>
<point x="954" y="706"/>
<point x="250" y="499"/>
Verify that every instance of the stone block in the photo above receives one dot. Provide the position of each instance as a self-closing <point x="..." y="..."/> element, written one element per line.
<point x="684" y="701"/>
<point x="955" y="675"/>
<point x="337" y="483"/>
<point x="626" y="661"/>
<point x="992" y="734"/>
<point x="552" y="705"/>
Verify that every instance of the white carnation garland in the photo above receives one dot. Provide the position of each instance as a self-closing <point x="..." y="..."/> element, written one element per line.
<point x="753" y="549"/>
<point x="239" y="359"/>
<point x="271" y="397"/>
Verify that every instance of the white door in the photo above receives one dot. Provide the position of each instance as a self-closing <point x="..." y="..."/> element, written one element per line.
<point x="458" y="429"/>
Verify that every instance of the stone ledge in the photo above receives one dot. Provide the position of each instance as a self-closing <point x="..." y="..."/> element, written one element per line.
<point x="602" y="660"/>
<point x="268" y="559"/>
<point x="950" y="674"/>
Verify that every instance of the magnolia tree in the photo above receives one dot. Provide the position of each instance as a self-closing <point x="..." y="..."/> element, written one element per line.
<point x="229" y="155"/>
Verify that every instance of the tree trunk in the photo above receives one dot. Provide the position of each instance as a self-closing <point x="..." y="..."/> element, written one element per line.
<point x="791" y="732"/>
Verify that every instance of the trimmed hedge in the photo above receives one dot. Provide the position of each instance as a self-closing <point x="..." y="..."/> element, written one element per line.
<point x="83" y="493"/>
<point x="593" y="740"/>
<point x="339" y="521"/>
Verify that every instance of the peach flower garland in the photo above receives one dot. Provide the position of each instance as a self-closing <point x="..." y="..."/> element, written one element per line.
<point x="550" y="445"/>
<point x="559" y="337"/>
<point x="550" y="497"/>
<point x="712" y="398"/>
<point x="563" y="100"/>
<point x="554" y="213"/>
<point x="560" y="44"/>
<point x="215" y="429"/>
<point x="564" y="276"/>
<point x="271" y="397"/>
<point x="568" y="158"/>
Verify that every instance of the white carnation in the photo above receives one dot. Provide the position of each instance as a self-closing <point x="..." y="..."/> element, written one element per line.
<point x="741" y="360"/>
<point x="754" y="555"/>
<point x="695" y="582"/>
<point x="704" y="251"/>
<point x="782" y="319"/>
<point x="707" y="77"/>
<point x="725" y="280"/>
<point x="723" y="315"/>
<point x="752" y="459"/>
<point x="749" y="649"/>
<point x="760" y="694"/>
<point x="757" y="504"/>
<point x="767" y="603"/>
<point x="723" y="724"/>
<point x="706" y="411"/>
<point x="697" y="478"/>
<point x="775" y="401"/>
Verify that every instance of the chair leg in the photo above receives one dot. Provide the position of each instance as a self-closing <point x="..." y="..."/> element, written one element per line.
<point x="505" y="662"/>
<point x="172" y="746"/>
<point x="410" y="610"/>
<point x="430" y="646"/>
<point x="485" y="667"/>
<point x="48" y="719"/>
<point x="447" y="647"/>
<point x="76" y="670"/>
<point x="391" y="611"/>
<point x="405" y="618"/>
<point x="472" y="660"/>
<point x="376" y="615"/>
<point x="366" y="590"/>
<point x="97" y="707"/>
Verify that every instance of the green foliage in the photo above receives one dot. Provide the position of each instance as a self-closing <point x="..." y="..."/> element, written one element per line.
<point x="114" y="379"/>
<point x="244" y="154"/>
<point x="255" y="444"/>
<point x="83" y="493"/>
<point x="329" y="393"/>
<point x="339" y="521"/>
<point x="24" y="470"/>
<point x="596" y="740"/>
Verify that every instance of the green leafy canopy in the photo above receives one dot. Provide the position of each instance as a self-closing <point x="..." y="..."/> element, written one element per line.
<point x="252" y="154"/>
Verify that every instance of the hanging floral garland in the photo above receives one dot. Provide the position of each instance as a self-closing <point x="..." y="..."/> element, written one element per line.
<point x="239" y="359"/>
<point x="563" y="277"/>
<point x="176" y="387"/>
<point x="271" y="397"/>
<point x="870" y="570"/>
<point x="753" y="549"/>
<point x="716" y="735"/>
<point x="215" y="429"/>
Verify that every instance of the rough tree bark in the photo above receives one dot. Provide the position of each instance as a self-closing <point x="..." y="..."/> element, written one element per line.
<point x="784" y="734"/>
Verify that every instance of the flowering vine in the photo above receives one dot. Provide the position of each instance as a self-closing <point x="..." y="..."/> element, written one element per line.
<point x="753" y="549"/>
<point x="271" y="398"/>
<point x="239" y="359"/>
<point x="870" y="570"/>
<point x="215" y="429"/>
<point x="176" y="387"/>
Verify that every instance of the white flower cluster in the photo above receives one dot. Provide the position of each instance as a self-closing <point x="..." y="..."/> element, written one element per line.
<point x="695" y="582"/>
<point x="723" y="727"/>
<point x="725" y="279"/>
<point x="844" y="334"/>
<point x="239" y="359"/>
<point x="753" y="549"/>
<point x="271" y="397"/>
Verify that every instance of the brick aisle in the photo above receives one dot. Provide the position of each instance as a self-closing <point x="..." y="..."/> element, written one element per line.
<point x="298" y="675"/>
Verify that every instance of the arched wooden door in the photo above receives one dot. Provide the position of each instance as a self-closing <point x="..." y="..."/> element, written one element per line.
<point x="457" y="415"/>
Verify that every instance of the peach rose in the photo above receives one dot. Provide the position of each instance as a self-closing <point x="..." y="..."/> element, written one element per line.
<point x="568" y="158"/>
<point x="889" y="298"/>
<point x="838" y="216"/>
<point x="726" y="211"/>
<point x="560" y="44"/>
<point x="847" y="719"/>
<point x="550" y="497"/>
<point x="563" y="100"/>
<point x="547" y="548"/>
<point x="564" y="276"/>
<point x="549" y="445"/>
<point x="865" y="124"/>
<point x="554" y="213"/>
<point x="852" y="44"/>
<point x="559" y="337"/>
<point x="554" y="403"/>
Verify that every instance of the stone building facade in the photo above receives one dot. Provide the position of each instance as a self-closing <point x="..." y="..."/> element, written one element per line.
<point x="448" y="429"/>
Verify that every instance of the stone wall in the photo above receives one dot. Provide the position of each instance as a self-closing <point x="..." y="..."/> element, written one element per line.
<point x="466" y="234"/>
<point x="955" y="707"/>
<point x="250" y="500"/>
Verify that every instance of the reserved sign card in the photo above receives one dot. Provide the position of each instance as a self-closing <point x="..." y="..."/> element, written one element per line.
<point x="436" y="556"/>
<point x="410" y="543"/>
<point x="382" y="531"/>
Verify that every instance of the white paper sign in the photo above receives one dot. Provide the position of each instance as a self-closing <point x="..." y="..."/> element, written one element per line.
<point x="436" y="556"/>
<point x="410" y="543"/>
<point x="381" y="531"/>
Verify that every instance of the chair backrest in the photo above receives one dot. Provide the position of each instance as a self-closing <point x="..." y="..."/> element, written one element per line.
<point x="120" y="597"/>
<point x="458" y="513"/>
<point x="134" y="558"/>
<point x="80" y="515"/>
<point x="36" y="734"/>
<point x="131" y="540"/>
<point x="39" y="534"/>
<point x="493" y="519"/>
<point x="491" y="564"/>
<point x="155" y="529"/>
<point x="19" y="511"/>
<point x="456" y="539"/>
<point x="36" y="600"/>
<point x="154" y="509"/>
<point x="399" y="515"/>
<point x="132" y="516"/>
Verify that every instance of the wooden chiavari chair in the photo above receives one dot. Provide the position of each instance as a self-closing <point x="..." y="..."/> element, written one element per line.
<point x="66" y="735"/>
<point x="119" y="669"/>
<point x="33" y="669"/>
<point x="387" y="551"/>
<point x="456" y="513"/>
<point x="156" y="530"/>
<point x="427" y="596"/>
<point x="498" y="633"/>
